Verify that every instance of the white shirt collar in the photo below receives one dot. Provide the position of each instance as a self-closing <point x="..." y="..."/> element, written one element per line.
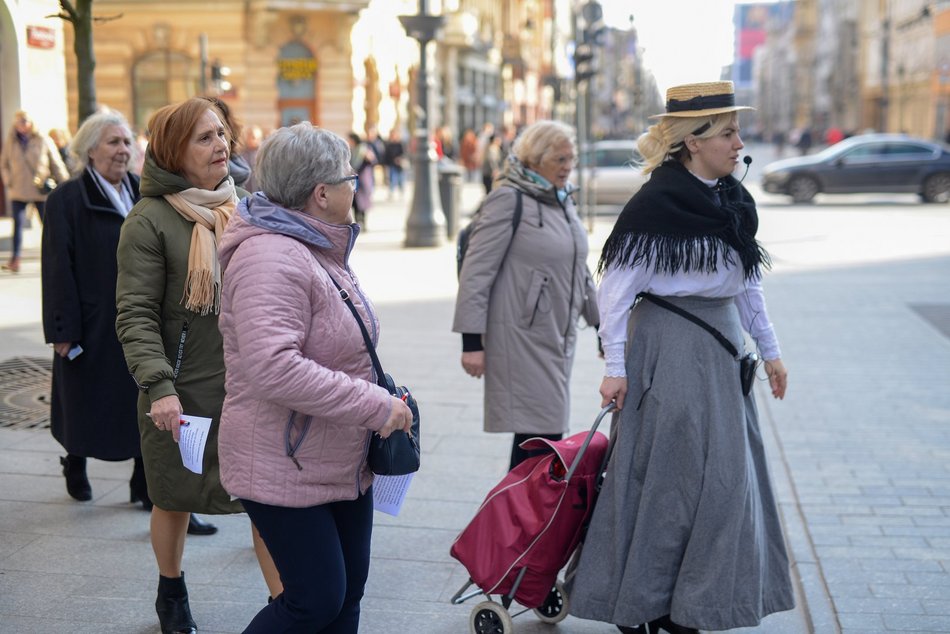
<point x="120" y="198"/>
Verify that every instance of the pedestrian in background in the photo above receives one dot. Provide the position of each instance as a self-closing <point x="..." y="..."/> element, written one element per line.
<point x="61" y="140"/>
<point x="484" y="137"/>
<point x="253" y="135"/>
<point x="685" y="535"/>
<point x="804" y="140"/>
<point x="492" y="162"/>
<point x="522" y="289"/>
<point x="378" y="146"/>
<point x="362" y="160"/>
<point x="445" y="142"/>
<point x="301" y="397"/>
<point x="168" y="298"/>
<point x="92" y="413"/>
<point x="30" y="166"/>
<point x="394" y="158"/>
<point x="468" y="154"/>
<point x="141" y="145"/>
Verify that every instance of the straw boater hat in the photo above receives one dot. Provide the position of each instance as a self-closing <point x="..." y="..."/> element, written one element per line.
<point x="700" y="100"/>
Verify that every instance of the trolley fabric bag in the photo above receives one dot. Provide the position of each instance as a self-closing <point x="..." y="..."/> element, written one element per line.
<point x="531" y="522"/>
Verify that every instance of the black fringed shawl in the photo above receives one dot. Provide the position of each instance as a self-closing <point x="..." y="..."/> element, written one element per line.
<point x="674" y="224"/>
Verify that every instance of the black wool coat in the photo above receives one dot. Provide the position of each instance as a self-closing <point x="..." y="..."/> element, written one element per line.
<point x="93" y="409"/>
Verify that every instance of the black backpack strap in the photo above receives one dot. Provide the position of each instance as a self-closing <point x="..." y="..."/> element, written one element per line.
<point x="662" y="303"/>
<point x="516" y="219"/>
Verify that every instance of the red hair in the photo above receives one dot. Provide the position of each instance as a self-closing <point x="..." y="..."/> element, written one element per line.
<point x="170" y="130"/>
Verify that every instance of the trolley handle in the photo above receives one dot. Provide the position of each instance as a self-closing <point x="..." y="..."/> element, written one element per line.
<point x="590" y="436"/>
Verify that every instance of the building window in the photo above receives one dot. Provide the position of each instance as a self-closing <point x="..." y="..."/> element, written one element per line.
<point x="296" y="84"/>
<point x="160" y="78"/>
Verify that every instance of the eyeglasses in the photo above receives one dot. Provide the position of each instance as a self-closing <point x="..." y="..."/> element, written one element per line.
<point x="561" y="161"/>
<point x="353" y="179"/>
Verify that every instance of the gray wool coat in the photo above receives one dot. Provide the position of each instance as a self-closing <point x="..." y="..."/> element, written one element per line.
<point x="524" y="295"/>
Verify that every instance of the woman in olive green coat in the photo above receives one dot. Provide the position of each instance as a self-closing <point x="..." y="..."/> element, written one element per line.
<point x="167" y="298"/>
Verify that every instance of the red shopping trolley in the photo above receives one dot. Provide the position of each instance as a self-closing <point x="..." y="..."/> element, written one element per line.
<point x="527" y="528"/>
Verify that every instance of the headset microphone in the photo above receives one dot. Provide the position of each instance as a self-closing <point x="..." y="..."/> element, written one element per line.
<point x="748" y="161"/>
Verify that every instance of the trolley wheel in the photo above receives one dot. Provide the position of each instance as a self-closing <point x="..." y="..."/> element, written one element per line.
<point x="554" y="608"/>
<point x="489" y="617"/>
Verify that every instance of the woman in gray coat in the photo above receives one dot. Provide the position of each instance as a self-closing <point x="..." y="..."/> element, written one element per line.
<point x="523" y="284"/>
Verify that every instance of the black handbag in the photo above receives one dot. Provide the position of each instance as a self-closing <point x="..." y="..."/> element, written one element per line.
<point x="400" y="453"/>
<point x="747" y="363"/>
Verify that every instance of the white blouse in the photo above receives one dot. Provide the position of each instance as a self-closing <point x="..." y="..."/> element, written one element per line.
<point x="619" y="288"/>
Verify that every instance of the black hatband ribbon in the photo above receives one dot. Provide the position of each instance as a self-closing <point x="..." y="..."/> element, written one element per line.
<point x="700" y="103"/>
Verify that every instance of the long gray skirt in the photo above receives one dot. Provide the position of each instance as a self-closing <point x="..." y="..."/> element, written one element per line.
<point x="686" y="523"/>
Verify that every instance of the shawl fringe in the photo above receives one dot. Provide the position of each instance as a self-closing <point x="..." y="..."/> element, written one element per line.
<point x="673" y="224"/>
<point x="668" y="254"/>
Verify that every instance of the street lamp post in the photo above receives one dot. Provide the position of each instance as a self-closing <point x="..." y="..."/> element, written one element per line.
<point x="425" y="226"/>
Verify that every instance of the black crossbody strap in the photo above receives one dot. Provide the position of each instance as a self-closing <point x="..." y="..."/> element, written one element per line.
<point x="377" y="367"/>
<point x="662" y="303"/>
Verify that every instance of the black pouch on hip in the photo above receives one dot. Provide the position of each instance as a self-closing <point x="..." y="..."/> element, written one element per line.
<point x="747" y="366"/>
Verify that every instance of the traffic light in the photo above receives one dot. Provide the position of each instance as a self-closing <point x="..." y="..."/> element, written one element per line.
<point x="595" y="31"/>
<point x="593" y="34"/>
<point x="584" y="62"/>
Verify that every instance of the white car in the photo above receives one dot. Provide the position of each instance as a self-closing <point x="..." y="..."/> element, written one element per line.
<point x="616" y="176"/>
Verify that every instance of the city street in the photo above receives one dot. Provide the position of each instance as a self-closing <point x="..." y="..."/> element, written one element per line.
<point x="859" y="449"/>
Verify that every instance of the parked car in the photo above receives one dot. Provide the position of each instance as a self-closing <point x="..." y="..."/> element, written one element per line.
<point x="615" y="177"/>
<point x="869" y="163"/>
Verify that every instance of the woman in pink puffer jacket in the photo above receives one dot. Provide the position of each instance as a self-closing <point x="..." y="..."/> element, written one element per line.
<point x="301" y="401"/>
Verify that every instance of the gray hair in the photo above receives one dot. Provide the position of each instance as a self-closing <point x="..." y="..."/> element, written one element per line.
<point x="539" y="138"/>
<point x="292" y="161"/>
<point x="90" y="134"/>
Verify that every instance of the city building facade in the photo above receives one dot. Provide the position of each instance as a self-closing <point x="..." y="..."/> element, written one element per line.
<point x="347" y="65"/>
<point x="854" y="66"/>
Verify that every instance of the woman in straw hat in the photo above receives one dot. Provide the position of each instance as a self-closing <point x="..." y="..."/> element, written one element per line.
<point x="686" y="534"/>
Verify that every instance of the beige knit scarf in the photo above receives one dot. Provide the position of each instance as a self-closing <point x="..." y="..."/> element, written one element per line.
<point x="210" y="210"/>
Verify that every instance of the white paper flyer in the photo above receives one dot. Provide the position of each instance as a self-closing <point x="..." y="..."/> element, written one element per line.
<point x="192" y="438"/>
<point x="389" y="492"/>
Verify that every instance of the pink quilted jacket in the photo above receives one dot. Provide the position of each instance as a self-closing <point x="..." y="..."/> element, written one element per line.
<point x="301" y="403"/>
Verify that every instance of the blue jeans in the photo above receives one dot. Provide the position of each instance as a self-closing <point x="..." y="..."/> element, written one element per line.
<point x="322" y="555"/>
<point x="18" y="207"/>
<point x="397" y="178"/>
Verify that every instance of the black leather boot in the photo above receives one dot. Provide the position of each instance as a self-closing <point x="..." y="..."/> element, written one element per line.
<point x="172" y="608"/>
<point x="138" y="489"/>
<point x="667" y="625"/>
<point x="197" y="526"/>
<point x="77" y="484"/>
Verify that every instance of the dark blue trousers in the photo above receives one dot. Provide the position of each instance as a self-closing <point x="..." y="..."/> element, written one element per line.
<point x="322" y="554"/>
<point x="18" y="207"/>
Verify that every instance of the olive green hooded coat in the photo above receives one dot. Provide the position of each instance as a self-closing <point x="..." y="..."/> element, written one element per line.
<point x="158" y="335"/>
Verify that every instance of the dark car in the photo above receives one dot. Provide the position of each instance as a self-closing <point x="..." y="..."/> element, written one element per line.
<point x="870" y="163"/>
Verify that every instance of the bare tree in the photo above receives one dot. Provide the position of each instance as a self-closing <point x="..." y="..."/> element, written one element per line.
<point x="79" y="14"/>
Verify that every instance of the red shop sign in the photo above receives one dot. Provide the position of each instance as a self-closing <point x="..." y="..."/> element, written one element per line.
<point x="40" y="37"/>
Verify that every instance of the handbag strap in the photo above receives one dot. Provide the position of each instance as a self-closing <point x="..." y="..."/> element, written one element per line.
<point x="377" y="367"/>
<point x="662" y="303"/>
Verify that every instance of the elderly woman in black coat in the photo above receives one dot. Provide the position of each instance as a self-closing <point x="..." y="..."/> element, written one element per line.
<point x="93" y="401"/>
